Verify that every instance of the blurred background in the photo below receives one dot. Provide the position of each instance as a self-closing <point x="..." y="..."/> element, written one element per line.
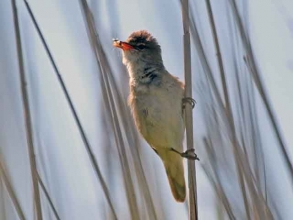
<point x="63" y="98"/>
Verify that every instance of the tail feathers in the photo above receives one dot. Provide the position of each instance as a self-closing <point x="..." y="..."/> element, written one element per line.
<point x="175" y="172"/>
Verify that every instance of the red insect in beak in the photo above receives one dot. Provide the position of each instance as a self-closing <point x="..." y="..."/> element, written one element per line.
<point x="123" y="45"/>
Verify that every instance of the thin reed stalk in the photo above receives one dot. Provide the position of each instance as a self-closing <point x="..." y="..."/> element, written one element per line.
<point x="205" y="64"/>
<point x="27" y="115"/>
<point x="221" y="194"/>
<point x="129" y="130"/>
<point x="104" y="67"/>
<point x="193" y="208"/>
<point x="2" y="200"/>
<point x="133" y="140"/>
<point x="10" y="190"/>
<point x="74" y="113"/>
<point x="228" y="108"/>
<point x="232" y="96"/>
<point x="253" y="69"/>
<point x="48" y="197"/>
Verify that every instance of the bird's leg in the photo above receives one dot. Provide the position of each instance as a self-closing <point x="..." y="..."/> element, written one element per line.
<point x="189" y="100"/>
<point x="188" y="154"/>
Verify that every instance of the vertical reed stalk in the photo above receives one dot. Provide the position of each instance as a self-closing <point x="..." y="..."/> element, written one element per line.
<point x="110" y="105"/>
<point x="252" y="67"/>
<point x="11" y="191"/>
<point x="27" y="116"/>
<point x="193" y="209"/>
<point x="48" y="198"/>
<point x="74" y="113"/>
<point x="228" y="107"/>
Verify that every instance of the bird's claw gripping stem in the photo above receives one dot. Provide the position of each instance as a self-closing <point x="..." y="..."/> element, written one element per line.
<point x="189" y="100"/>
<point x="188" y="154"/>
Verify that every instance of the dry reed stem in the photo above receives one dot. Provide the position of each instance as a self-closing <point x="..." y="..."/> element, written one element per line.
<point x="27" y="116"/>
<point x="193" y="207"/>
<point x="132" y="134"/>
<point x="228" y="107"/>
<point x="130" y="131"/>
<point x="250" y="167"/>
<point x="132" y="138"/>
<point x="74" y="113"/>
<point x="10" y="190"/>
<point x="110" y="105"/>
<point x="256" y="196"/>
<point x="221" y="194"/>
<point x="48" y="198"/>
<point x="252" y="67"/>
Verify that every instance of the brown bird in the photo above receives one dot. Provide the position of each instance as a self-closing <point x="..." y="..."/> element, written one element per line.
<point x="156" y="99"/>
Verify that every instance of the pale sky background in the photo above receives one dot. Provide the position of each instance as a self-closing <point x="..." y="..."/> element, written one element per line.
<point x="271" y="29"/>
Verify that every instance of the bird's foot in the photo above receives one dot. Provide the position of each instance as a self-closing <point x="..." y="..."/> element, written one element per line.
<point x="189" y="100"/>
<point x="188" y="154"/>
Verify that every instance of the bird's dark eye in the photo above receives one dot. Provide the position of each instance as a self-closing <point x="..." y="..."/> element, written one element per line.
<point x="140" y="47"/>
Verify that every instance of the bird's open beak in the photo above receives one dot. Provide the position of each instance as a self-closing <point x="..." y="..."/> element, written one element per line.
<point x="121" y="44"/>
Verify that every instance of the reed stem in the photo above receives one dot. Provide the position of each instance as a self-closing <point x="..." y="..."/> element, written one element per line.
<point x="27" y="116"/>
<point x="193" y="209"/>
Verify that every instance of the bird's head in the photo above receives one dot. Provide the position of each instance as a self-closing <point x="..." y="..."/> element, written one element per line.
<point x="140" y="48"/>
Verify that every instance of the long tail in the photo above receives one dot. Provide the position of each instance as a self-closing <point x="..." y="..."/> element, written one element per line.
<point x="175" y="172"/>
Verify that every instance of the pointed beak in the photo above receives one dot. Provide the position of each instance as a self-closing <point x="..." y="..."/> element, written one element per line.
<point x="121" y="44"/>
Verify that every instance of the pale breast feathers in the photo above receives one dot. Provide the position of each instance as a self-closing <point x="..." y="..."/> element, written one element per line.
<point x="158" y="112"/>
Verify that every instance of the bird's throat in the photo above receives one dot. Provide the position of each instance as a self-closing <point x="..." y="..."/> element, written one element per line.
<point x="144" y="74"/>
